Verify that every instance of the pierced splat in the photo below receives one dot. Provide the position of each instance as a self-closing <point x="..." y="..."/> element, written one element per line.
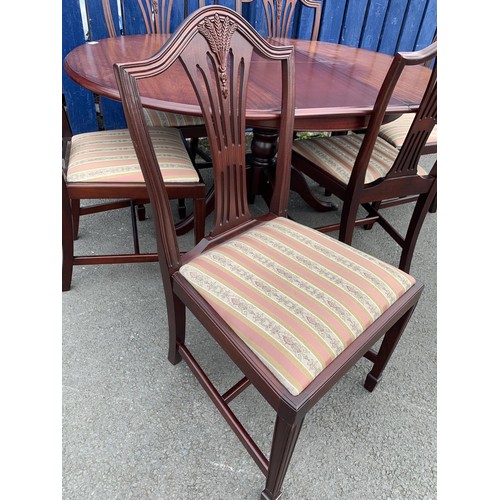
<point x="279" y="14"/>
<point x="220" y="76"/>
<point x="419" y="132"/>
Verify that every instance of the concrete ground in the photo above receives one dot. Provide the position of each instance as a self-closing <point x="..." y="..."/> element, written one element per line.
<point x="136" y="427"/>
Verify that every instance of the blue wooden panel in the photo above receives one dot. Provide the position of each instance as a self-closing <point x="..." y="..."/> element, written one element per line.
<point x="112" y="111"/>
<point x="258" y="18"/>
<point x="392" y="26"/>
<point x="428" y="26"/>
<point x="302" y="22"/>
<point x="133" y="20"/>
<point x="333" y="17"/>
<point x="80" y="102"/>
<point x="374" y="24"/>
<point x="97" y="25"/>
<point x="112" y="114"/>
<point x="354" y="22"/>
<point x="178" y="14"/>
<point x="411" y="25"/>
<point x="226" y="3"/>
<point x="193" y="5"/>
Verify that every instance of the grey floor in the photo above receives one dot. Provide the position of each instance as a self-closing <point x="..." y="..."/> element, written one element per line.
<point x="136" y="427"/>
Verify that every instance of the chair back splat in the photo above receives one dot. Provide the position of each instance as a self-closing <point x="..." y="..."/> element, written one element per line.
<point x="279" y="298"/>
<point x="279" y="16"/>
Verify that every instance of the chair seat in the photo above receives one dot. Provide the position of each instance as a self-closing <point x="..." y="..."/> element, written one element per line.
<point x="109" y="156"/>
<point x="295" y="296"/>
<point x="396" y="131"/>
<point x="337" y="154"/>
<point x="156" y="118"/>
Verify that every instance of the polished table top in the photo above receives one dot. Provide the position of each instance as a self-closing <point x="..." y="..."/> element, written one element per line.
<point x="336" y="85"/>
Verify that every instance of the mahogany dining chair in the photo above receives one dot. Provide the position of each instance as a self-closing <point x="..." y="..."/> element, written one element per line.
<point x="157" y="19"/>
<point x="364" y="170"/>
<point x="103" y="166"/>
<point x="293" y="308"/>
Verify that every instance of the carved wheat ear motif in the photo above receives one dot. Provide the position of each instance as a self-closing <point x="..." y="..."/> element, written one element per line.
<point x="218" y="31"/>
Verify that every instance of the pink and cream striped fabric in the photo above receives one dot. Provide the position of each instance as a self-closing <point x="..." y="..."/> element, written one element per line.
<point x="109" y="156"/>
<point x="156" y="118"/>
<point x="295" y="296"/>
<point x="396" y="131"/>
<point x="337" y="154"/>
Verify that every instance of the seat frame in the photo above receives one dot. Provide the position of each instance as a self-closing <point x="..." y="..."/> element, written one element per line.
<point x="221" y="90"/>
<point x="402" y="183"/>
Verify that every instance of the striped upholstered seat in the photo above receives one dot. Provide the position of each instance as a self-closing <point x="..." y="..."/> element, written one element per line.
<point x="295" y="296"/>
<point x="395" y="132"/>
<point x="109" y="156"/>
<point x="156" y="118"/>
<point x="337" y="154"/>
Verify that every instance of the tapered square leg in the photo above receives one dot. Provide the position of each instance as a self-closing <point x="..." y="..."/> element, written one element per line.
<point x="284" y="440"/>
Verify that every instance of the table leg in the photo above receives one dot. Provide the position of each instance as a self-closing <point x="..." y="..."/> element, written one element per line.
<point x="264" y="147"/>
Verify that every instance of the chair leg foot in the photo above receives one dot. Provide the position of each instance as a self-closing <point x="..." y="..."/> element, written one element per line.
<point x="174" y="357"/>
<point x="66" y="284"/>
<point x="265" y="496"/>
<point x="371" y="382"/>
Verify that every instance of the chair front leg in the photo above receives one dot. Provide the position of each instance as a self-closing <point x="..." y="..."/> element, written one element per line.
<point x="284" y="440"/>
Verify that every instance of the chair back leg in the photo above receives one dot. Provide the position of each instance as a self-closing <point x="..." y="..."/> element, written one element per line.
<point x="348" y="219"/>
<point x="424" y="203"/>
<point x="389" y="343"/>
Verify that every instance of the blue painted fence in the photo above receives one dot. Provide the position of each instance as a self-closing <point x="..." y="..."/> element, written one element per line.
<point x="385" y="26"/>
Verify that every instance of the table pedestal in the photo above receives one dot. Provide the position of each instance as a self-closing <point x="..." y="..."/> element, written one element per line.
<point x="264" y="148"/>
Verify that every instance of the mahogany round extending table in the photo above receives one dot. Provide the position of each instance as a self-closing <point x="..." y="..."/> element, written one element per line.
<point x="336" y="86"/>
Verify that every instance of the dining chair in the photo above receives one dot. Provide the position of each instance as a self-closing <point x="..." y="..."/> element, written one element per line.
<point x="157" y="19"/>
<point x="364" y="170"/>
<point x="103" y="166"/>
<point x="293" y="308"/>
